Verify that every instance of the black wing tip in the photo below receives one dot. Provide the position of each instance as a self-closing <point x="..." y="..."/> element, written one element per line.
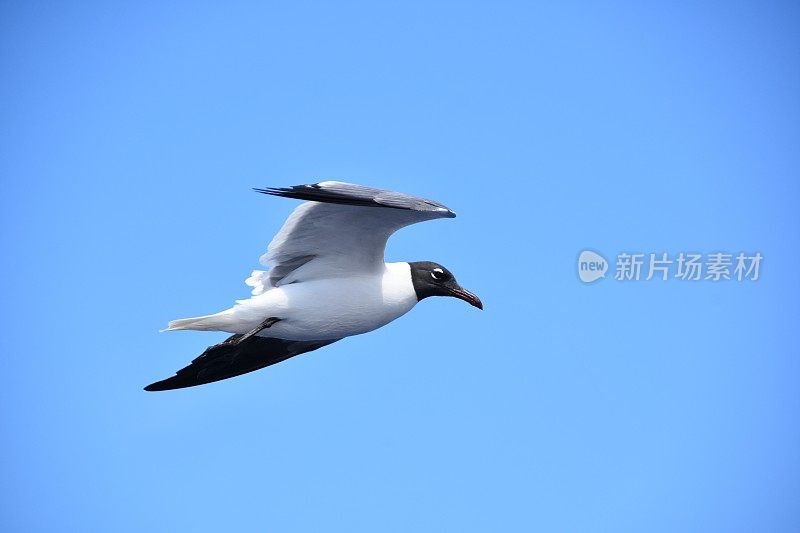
<point x="163" y="385"/>
<point x="297" y="192"/>
<point x="275" y="191"/>
<point x="178" y="381"/>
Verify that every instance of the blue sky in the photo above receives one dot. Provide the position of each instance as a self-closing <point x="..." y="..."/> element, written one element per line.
<point x="131" y="134"/>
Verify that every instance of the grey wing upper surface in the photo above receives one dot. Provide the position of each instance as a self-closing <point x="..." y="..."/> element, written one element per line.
<point x="342" y="228"/>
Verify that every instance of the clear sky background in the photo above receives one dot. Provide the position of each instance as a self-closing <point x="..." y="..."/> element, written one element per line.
<point x="131" y="134"/>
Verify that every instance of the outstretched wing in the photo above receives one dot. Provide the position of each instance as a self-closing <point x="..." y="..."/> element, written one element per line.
<point x="230" y="358"/>
<point x="341" y="229"/>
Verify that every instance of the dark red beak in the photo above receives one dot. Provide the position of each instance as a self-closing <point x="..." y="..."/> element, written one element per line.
<point x="463" y="294"/>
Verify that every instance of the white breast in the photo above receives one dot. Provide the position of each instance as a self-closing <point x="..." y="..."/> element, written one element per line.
<point x="331" y="308"/>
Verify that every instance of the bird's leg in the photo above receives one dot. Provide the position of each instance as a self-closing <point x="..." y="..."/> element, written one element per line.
<point x="264" y="325"/>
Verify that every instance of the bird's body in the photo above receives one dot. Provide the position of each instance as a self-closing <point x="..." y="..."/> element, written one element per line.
<point x="321" y="309"/>
<point x="327" y="281"/>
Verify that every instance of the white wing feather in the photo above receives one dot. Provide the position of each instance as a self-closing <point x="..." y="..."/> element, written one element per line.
<point x="324" y="240"/>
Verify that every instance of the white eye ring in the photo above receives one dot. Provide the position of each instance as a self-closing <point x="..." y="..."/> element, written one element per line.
<point x="437" y="273"/>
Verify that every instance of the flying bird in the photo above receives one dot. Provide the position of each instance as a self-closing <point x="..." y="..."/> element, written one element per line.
<point x="327" y="280"/>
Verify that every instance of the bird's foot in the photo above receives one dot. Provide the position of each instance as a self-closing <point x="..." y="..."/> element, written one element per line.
<point x="264" y="325"/>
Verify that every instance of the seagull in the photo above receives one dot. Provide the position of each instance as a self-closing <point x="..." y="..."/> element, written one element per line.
<point x="327" y="280"/>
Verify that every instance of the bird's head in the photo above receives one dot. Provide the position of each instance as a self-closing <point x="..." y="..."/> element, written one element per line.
<point x="432" y="279"/>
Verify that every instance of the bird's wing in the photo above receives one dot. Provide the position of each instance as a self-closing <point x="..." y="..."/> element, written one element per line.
<point x="341" y="229"/>
<point x="232" y="358"/>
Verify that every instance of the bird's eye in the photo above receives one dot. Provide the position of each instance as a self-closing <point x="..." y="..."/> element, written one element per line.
<point x="438" y="274"/>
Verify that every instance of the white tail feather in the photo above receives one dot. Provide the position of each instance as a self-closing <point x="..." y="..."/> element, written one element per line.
<point x="215" y="322"/>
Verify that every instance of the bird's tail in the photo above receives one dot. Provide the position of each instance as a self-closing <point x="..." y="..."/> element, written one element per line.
<point x="216" y="322"/>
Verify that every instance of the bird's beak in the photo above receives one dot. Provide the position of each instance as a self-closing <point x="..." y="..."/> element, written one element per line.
<point x="463" y="294"/>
